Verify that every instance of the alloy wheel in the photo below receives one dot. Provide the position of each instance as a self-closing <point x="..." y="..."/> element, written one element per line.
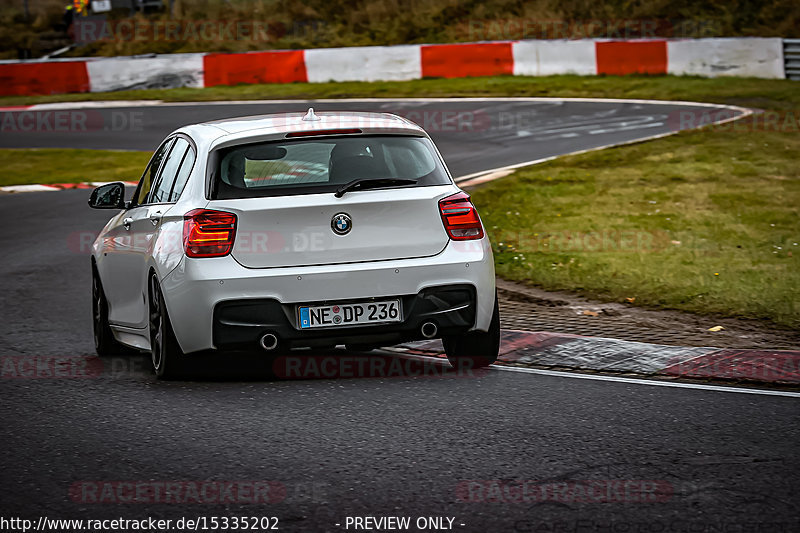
<point x="156" y="325"/>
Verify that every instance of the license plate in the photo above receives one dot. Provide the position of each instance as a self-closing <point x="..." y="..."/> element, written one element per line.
<point x="327" y="316"/>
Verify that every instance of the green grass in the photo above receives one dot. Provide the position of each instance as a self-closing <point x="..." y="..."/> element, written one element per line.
<point x="70" y="166"/>
<point x="703" y="221"/>
<point x="752" y="92"/>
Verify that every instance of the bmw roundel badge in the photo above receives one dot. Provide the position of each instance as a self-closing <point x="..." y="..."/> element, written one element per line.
<point x="341" y="224"/>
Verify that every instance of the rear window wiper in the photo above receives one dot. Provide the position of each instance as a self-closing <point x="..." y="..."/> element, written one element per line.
<point x="371" y="183"/>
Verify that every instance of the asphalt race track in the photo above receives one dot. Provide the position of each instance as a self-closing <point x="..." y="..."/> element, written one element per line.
<point x="473" y="134"/>
<point x="601" y="456"/>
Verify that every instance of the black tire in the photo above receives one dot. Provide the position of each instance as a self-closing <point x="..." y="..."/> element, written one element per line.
<point x="104" y="342"/>
<point x="168" y="360"/>
<point x="476" y="349"/>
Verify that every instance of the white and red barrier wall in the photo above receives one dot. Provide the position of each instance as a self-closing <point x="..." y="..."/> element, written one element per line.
<point x="756" y="57"/>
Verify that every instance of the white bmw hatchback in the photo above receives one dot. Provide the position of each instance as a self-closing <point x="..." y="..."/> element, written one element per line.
<point x="276" y="232"/>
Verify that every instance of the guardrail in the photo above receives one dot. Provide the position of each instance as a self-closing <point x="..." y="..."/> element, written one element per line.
<point x="757" y="57"/>
<point x="791" y="59"/>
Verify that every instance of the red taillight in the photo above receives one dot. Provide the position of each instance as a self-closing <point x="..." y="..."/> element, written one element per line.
<point x="208" y="233"/>
<point x="460" y="217"/>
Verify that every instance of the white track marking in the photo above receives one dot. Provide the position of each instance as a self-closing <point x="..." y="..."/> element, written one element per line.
<point x="651" y="382"/>
<point x="604" y="377"/>
<point x="626" y="128"/>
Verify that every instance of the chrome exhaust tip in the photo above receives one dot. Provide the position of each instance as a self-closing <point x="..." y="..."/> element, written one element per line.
<point x="429" y="330"/>
<point x="269" y="342"/>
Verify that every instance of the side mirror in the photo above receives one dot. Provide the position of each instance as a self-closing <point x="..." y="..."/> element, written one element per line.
<point x="108" y="196"/>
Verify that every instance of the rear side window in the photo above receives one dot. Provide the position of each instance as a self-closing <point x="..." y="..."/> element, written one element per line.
<point x="169" y="171"/>
<point x="183" y="175"/>
<point x="318" y="165"/>
<point x="150" y="174"/>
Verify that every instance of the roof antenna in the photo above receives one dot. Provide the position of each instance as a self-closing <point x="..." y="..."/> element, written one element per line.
<point x="310" y="116"/>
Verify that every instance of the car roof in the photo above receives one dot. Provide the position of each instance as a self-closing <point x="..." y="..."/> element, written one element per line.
<point x="315" y="121"/>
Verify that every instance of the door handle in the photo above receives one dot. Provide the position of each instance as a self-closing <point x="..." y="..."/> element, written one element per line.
<point x="127" y="222"/>
<point x="155" y="217"/>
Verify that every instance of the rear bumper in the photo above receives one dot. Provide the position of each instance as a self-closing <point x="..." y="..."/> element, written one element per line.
<point x="207" y="298"/>
<point x="240" y="324"/>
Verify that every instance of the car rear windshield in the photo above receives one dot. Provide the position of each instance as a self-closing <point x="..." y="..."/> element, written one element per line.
<point x="323" y="164"/>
